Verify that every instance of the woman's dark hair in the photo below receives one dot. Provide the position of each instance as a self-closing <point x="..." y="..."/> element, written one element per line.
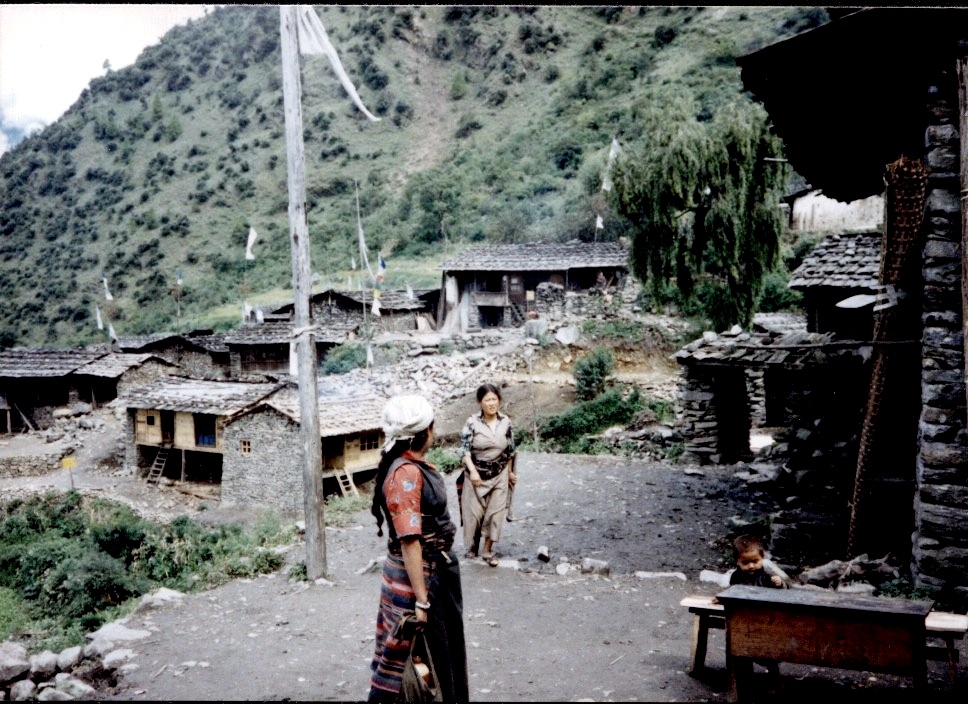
<point x="485" y="389"/>
<point x="399" y="447"/>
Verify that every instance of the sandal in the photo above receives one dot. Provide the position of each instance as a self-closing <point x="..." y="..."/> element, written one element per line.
<point x="492" y="560"/>
<point x="470" y="555"/>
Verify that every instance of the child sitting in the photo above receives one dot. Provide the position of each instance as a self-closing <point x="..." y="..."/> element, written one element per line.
<point x="750" y="556"/>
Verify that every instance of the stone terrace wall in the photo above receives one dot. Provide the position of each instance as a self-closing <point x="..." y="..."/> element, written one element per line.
<point x="940" y="549"/>
<point x="34" y="465"/>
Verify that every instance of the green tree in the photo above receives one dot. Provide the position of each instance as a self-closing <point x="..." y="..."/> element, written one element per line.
<point x="703" y="198"/>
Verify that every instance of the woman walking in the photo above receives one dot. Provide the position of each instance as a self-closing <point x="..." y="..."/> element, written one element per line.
<point x="487" y="451"/>
<point x="421" y="575"/>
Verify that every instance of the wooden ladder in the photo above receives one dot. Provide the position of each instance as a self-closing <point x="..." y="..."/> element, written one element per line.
<point x="346" y="485"/>
<point x="158" y="466"/>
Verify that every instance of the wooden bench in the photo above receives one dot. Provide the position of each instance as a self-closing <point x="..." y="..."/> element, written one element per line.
<point x="939" y="625"/>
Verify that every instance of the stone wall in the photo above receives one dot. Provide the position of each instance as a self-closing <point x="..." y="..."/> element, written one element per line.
<point x="940" y="541"/>
<point x="33" y="465"/>
<point x="270" y="474"/>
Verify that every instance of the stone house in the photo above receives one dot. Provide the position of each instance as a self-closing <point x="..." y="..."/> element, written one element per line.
<point x="201" y="353"/>
<point x="261" y="448"/>
<point x="175" y="425"/>
<point x="352" y="310"/>
<point x="841" y="268"/>
<point x="103" y="379"/>
<point x="266" y="348"/>
<point x="889" y="119"/>
<point x="34" y="381"/>
<point x="497" y="285"/>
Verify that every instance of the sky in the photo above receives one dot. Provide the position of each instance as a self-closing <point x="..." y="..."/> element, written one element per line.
<point x="49" y="53"/>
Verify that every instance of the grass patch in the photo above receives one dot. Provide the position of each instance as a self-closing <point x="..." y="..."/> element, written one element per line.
<point x="341" y="511"/>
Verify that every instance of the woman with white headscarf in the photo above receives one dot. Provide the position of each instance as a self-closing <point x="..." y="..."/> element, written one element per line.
<point x="421" y="575"/>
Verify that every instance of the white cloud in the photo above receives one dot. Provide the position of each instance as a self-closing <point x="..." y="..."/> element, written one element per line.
<point x="49" y="53"/>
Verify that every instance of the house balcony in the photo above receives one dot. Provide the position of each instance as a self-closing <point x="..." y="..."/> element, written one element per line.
<point x="490" y="298"/>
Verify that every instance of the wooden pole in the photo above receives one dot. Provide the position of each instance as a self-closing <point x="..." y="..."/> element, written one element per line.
<point x="313" y="498"/>
<point x="962" y="66"/>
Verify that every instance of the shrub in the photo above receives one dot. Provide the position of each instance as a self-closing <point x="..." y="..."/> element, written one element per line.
<point x="592" y="373"/>
<point x="343" y="359"/>
<point x="568" y="429"/>
<point x="445" y="460"/>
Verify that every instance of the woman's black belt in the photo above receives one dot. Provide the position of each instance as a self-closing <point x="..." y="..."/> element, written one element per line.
<point x="489" y="469"/>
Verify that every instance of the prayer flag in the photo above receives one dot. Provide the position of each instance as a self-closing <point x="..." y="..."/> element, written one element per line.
<point x="179" y="281"/>
<point x="107" y="292"/>
<point x="410" y="292"/>
<point x="380" y="270"/>
<point x="312" y="39"/>
<point x="100" y="323"/>
<point x="612" y="153"/>
<point x="248" y="247"/>
<point x="111" y="332"/>
<point x="375" y="309"/>
<point x="599" y="223"/>
<point x="369" y="356"/>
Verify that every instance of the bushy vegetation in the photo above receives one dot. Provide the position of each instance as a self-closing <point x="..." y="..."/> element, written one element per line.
<point x="568" y="432"/>
<point x="343" y="359"/>
<point x="593" y="372"/>
<point x="164" y="165"/>
<point x="446" y="460"/>
<point x="69" y="563"/>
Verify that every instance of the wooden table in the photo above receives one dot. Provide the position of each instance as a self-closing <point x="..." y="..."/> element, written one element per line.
<point x="822" y="628"/>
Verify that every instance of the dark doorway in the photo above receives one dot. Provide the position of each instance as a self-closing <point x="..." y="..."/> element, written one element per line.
<point x="732" y="416"/>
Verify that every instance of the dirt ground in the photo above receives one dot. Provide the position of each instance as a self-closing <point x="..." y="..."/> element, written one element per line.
<point x="536" y="631"/>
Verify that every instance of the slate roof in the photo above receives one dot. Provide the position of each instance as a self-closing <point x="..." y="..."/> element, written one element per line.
<point x="114" y="365"/>
<point x="222" y="398"/>
<point x="280" y="332"/>
<point x="537" y="256"/>
<point x="27" y="362"/>
<point x="873" y="99"/>
<point x="390" y="299"/>
<point x="792" y="349"/>
<point x="337" y="416"/>
<point x="843" y="261"/>
<point x="214" y="342"/>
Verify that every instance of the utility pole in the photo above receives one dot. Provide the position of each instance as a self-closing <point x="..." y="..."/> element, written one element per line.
<point x="313" y="497"/>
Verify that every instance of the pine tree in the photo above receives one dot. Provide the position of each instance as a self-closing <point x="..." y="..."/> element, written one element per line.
<point x="704" y="199"/>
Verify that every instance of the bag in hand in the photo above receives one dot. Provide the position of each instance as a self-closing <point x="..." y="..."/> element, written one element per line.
<point x="419" y="676"/>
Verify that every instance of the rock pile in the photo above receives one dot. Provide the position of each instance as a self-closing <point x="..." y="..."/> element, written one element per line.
<point x="78" y="671"/>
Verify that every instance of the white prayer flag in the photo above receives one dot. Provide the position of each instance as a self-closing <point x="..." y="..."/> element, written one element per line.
<point x="612" y="153"/>
<point x="100" y="323"/>
<point x="353" y="263"/>
<point x="369" y="356"/>
<point x="107" y="292"/>
<point x="246" y="311"/>
<point x="375" y="308"/>
<point x="111" y="332"/>
<point x="410" y="292"/>
<point x="248" y="247"/>
<point x="259" y="316"/>
<point x="599" y="223"/>
<point x="313" y="39"/>
<point x="179" y="280"/>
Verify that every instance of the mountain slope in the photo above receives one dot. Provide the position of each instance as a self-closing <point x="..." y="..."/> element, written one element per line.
<point x="496" y="126"/>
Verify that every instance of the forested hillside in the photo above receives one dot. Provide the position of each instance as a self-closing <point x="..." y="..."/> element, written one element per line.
<point x="496" y="125"/>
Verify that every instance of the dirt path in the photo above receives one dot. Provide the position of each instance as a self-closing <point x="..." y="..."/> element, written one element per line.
<point x="533" y="634"/>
